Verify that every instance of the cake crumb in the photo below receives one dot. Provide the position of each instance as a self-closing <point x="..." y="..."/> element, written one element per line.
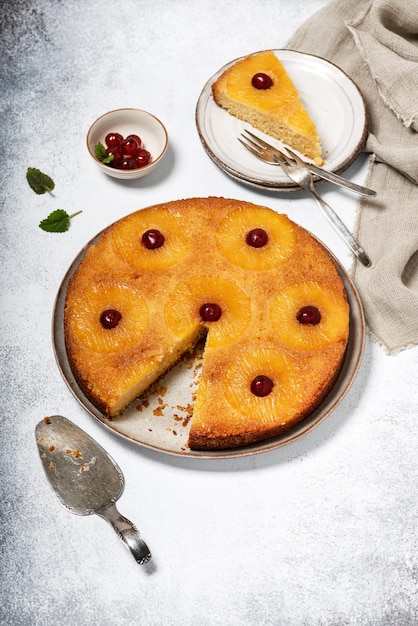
<point x="77" y="454"/>
<point x="159" y="411"/>
<point x="160" y="391"/>
<point x="47" y="420"/>
<point x="143" y="405"/>
<point x="51" y="448"/>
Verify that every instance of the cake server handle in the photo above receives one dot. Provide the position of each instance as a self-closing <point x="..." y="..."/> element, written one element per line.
<point x="127" y="532"/>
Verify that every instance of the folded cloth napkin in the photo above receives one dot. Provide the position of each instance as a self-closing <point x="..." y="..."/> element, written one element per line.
<point x="376" y="43"/>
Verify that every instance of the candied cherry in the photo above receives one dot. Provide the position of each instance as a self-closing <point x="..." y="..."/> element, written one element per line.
<point x="261" y="81"/>
<point x="113" y="140"/>
<point x="142" y="158"/>
<point x="309" y="315"/>
<point x="152" y="239"/>
<point x="117" y="152"/>
<point x="130" y="146"/>
<point x="110" y="318"/>
<point x="128" y="153"/>
<point x="126" y="163"/>
<point x="261" y="386"/>
<point x="210" y="312"/>
<point x="136" y="138"/>
<point x="257" y="238"/>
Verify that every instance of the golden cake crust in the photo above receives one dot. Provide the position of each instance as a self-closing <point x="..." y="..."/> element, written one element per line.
<point x="277" y="111"/>
<point x="205" y="258"/>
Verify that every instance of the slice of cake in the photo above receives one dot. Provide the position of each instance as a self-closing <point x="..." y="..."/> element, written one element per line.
<point x="258" y="90"/>
<point x="263" y="292"/>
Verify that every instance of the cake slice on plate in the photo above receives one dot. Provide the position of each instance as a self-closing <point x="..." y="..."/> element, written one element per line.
<point x="258" y="90"/>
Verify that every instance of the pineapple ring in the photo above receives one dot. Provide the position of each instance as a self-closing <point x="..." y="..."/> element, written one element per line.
<point x="333" y="307"/>
<point x="231" y="234"/>
<point x="183" y="305"/>
<point x="286" y="397"/>
<point x="86" y="326"/>
<point x="127" y="235"/>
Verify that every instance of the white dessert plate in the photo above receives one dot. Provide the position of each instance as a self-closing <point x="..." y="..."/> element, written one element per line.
<point x="332" y="100"/>
<point x="162" y="422"/>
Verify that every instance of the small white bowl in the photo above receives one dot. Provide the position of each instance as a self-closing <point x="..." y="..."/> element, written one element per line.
<point x="128" y="122"/>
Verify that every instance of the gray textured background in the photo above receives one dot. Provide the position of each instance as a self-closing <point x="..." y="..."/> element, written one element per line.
<point x="320" y="533"/>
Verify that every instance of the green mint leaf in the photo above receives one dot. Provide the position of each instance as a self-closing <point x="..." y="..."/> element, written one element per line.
<point x="38" y="181"/>
<point x="101" y="154"/>
<point x="57" y="222"/>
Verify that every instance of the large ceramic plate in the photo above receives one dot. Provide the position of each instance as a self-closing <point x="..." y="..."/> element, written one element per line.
<point x="162" y="422"/>
<point x="332" y="100"/>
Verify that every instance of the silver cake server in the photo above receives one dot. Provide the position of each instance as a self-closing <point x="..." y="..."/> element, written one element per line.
<point x="85" y="478"/>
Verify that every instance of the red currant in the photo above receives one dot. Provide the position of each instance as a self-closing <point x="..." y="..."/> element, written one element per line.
<point x="261" y="81"/>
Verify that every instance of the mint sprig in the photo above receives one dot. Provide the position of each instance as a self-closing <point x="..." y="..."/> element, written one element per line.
<point x="101" y="154"/>
<point x="58" y="221"/>
<point x="38" y="181"/>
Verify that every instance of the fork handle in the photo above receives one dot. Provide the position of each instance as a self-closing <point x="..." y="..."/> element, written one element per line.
<point x="338" y="180"/>
<point x="341" y="229"/>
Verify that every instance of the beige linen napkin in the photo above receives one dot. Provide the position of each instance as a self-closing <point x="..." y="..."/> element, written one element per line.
<point x="376" y="43"/>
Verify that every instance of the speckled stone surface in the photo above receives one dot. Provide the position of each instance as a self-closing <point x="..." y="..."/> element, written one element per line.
<point x="322" y="532"/>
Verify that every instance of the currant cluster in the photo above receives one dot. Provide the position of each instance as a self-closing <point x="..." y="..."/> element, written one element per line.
<point x="128" y="153"/>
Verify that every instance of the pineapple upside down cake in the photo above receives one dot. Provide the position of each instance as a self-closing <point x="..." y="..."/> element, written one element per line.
<point x="264" y="293"/>
<point x="258" y="90"/>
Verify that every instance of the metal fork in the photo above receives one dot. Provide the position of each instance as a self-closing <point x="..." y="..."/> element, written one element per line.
<point x="318" y="171"/>
<point x="303" y="177"/>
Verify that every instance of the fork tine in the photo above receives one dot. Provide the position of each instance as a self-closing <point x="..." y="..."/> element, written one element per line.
<point x="254" y="138"/>
<point x="281" y="157"/>
<point x="252" y="148"/>
<point x="295" y="157"/>
<point x="246" y="141"/>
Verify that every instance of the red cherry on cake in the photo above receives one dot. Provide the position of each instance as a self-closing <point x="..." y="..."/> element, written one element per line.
<point x="257" y="238"/>
<point x="110" y="318"/>
<point x="152" y="239"/>
<point x="261" y="81"/>
<point x="210" y="312"/>
<point x="261" y="386"/>
<point x="309" y="315"/>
